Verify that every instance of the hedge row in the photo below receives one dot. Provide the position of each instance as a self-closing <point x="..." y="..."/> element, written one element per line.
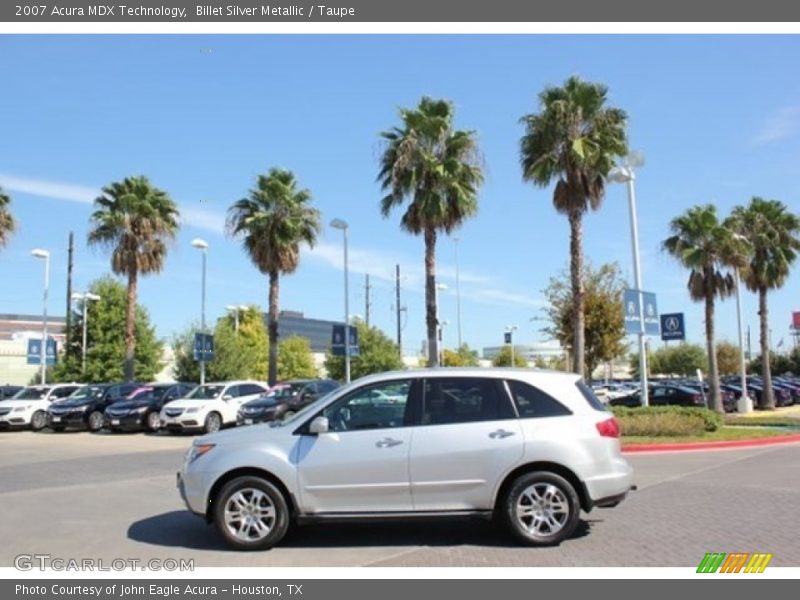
<point x="666" y="420"/>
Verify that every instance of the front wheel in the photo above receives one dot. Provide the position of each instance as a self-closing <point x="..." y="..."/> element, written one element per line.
<point x="251" y="513"/>
<point x="38" y="420"/>
<point x="213" y="423"/>
<point x="541" y="508"/>
<point x="95" y="421"/>
<point x="153" y="422"/>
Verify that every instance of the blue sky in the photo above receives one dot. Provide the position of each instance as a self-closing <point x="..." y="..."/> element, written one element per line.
<point x="717" y="116"/>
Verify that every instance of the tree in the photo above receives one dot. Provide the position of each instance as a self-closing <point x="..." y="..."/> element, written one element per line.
<point x="707" y="248"/>
<point x="7" y="223"/>
<point x="436" y="170"/>
<point x="106" y="349"/>
<point x="377" y="354"/>
<point x="460" y="357"/>
<point x="295" y="360"/>
<point x="186" y="368"/>
<point x="503" y="358"/>
<point x="273" y="221"/>
<point x="135" y="220"/>
<point x="773" y="233"/>
<point x="240" y="354"/>
<point x="681" y="359"/>
<point x="604" y="335"/>
<point x="574" y="140"/>
<point x="728" y="358"/>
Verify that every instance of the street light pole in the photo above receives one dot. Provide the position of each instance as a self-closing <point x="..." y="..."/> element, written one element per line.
<point x="458" y="294"/>
<point x="342" y="225"/>
<point x="202" y="245"/>
<point x="436" y="289"/>
<point x="511" y="329"/>
<point x="742" y="366"/>
<point x="84" y="298"/>
<point x="625" y="174"/>
<point x="44" y="254"/>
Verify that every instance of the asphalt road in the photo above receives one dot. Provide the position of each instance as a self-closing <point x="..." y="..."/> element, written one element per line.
<point x="82" y="495"/>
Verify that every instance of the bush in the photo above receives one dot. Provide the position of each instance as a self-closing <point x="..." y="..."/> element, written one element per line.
<point x="666" y="420"/>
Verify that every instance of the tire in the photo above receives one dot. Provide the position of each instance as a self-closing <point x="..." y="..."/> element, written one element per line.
<point x="95" y="421"/>
<point x="541" y="509"/>
<point x="153" y="422"/>
<point x="38" y="420"/>
<point x="268" y="506"/>
<point x="213" y="423"/>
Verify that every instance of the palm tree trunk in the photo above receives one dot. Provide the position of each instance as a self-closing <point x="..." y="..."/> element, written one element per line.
<point x="768" y="397"/>
<point x="272" y="327"/>
<point x="430" y="297"/>
<point x="576" y="277"/>
<point x="715" y="400"/>
<point x="130" y="324"/>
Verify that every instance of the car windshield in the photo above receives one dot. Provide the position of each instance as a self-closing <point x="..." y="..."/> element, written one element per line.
<point x="33" y="393"/>
<point x="288" y="391"/>
<point x="147" y="394"/>
<point x="84" y="394"/>
<point x="206" y="392"/>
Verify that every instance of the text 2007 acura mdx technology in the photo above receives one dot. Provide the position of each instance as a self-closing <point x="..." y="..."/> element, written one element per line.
<point x="532" y="448"/>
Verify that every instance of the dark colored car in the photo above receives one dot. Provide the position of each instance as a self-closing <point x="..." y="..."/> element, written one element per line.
<point x="7" y="391"/>
<point x="728" y="396"/>
<point x="661" y="394"/>
<point x="782" y="396"/>
<point x="84" y="408"/>
<point x="286" y="399"/>
<point x="140" y="410"/>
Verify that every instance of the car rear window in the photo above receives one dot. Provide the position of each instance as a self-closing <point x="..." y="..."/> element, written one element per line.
<point x="532" y="402"/>
<point x="590" y="397"/>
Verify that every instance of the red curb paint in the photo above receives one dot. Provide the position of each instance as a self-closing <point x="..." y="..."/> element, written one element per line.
<point x="679" y="447"/>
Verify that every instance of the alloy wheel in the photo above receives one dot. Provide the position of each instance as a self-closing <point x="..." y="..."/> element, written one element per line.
<point x="542" y="509"/>
<point x="249" y="515"/>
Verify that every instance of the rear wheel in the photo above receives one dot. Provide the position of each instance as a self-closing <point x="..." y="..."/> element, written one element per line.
<point x="153" y="421"/>
<point x="213" y="423"/>
<point x="95" y="421"/>
<point x="251" y="513"/>
<point x="38" y="420"/>
<point x="541" y="508"/>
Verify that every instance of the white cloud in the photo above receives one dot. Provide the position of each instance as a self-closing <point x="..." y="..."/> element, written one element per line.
<point x="203" y="219"/>
<point x="783" y="123"/>
<point x="49" y="189"/>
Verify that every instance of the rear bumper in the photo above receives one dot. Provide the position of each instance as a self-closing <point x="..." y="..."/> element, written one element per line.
<point x="610" y="488"/>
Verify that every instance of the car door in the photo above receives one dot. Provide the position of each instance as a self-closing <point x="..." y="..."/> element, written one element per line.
<point x="468" y="435"/>
<point x="361" y="463"/>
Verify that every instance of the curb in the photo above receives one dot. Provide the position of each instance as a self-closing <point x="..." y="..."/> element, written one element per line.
<point x="686" y="446"/>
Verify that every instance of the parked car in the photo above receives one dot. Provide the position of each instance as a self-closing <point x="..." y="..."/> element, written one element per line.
<point x="530" y="447"/>
<point x="661" y="394"/>
<point x="9" y="391"/>
<point x="28" y="408"/>
<point x="141" y="410"/>
<point x="210" y="407"/>
<point x="727" y="396"/>
<point x="284" y="402"/>
<point x="84" y="409"/>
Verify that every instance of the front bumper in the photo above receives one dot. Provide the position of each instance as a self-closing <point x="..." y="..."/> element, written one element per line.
<point x="72" y="419"/>
<point x="254" y="419"/>
<point x="192" y="488"/>
<point x="129" y="422"/>
<point x="181" y="423"/>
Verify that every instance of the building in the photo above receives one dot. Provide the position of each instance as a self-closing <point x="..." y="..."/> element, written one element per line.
<point x="532" y="352"/>
<point x="317" y="331"/>
<point x="22" y="327"/>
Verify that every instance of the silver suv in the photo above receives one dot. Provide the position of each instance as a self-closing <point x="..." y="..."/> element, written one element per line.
<point x="532" y="448"/>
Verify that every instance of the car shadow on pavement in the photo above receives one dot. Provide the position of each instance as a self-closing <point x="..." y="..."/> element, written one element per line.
<point x="182" y="529"/>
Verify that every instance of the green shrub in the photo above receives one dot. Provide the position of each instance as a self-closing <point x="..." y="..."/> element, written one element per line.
<point x="666" y="420"/>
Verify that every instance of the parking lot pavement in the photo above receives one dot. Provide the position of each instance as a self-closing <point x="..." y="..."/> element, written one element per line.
<point x="85" y="495"/>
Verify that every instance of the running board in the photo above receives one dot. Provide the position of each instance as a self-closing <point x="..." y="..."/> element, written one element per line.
<point x="391" y="516"/>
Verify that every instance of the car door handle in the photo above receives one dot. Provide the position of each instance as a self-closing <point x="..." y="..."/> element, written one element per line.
<point x="388" y="443"/>
<point x="500" y="434"/>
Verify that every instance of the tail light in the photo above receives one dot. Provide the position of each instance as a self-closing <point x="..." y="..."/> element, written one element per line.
<point x="608" y="428"/>
<point x="698" y="400"/>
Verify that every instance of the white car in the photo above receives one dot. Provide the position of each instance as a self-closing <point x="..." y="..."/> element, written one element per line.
<point x="529" y="447"/>
<point x="210" y="407"/>
<point x="28" y="408"/>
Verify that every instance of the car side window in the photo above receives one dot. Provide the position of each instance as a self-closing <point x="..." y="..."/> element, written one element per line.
<point x="232" y="391"/>
<point x="463" y="400"/>
<point x="378" y="406"/>
<point x="531" y="402"/>
<point x="252" y="389"/>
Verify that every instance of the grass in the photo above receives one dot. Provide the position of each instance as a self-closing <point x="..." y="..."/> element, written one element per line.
<point x="763" y="419"/>
<point x="722" y="434"/>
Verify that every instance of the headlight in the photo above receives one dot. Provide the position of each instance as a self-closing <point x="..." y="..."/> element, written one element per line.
<point x="82" y="407"/>
<point x="141" y="409"/>
<point x="198" y="450"/>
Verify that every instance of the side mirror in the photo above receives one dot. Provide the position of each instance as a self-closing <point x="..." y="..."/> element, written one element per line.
<point x="318" y="425"/>
<point x="227" y="397"/>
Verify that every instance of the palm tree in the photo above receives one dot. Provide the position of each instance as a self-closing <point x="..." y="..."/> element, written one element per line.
<point x="7" y="224"/>
<point x="706" y="247"/>
<point x="136" y="221"/>
<point x="436" y="170"/>
<point x="773" y="233"/>
<point x="574" y="140"/>
<point x="272" y="221"/>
